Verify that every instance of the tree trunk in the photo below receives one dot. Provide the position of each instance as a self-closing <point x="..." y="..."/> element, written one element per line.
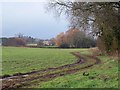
<point x="119" y="30"/>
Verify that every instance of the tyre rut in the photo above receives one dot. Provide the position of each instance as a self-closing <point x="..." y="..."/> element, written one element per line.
<point x="25" y="79"/>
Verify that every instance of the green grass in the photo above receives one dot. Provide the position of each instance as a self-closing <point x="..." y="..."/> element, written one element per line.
<point x="21" y="59"/>
<point x="104" y="75"/>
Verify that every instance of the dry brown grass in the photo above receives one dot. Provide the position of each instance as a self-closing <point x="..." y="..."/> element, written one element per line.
<point x="95" y="51"/>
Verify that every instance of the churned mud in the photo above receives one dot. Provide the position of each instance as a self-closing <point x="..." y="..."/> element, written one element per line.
<point x="20" y="80"/>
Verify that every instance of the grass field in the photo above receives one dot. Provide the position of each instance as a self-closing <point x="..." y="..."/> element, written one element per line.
<point x="103" y="75"/>
<point x="26" y="59"/>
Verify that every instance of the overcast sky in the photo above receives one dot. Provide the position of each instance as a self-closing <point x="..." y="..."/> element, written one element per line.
<point x="31" y="19"/>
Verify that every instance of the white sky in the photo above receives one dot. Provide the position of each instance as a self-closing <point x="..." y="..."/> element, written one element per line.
<point x="30" y="19"/>
<point x="23" y="0"/>
<point x="61" y="0"/>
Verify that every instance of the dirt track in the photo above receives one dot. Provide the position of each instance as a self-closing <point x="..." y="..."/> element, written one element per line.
<point x="31" y="78"/>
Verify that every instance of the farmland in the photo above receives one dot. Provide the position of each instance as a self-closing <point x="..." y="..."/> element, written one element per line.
<point x="15" y="59"/>
<point x="60" y="69"/>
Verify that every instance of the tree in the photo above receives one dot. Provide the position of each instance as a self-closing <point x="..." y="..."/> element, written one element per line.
<point x="71" y="36"/>
<point x="52" y="41"/>
<point x="19" y="42"/>
<point x="19" y="35"/>
<point x="102" y="17"/>
<point x="60" y="39"/>
<point x="13" y="41"/>
<point x="40" y="43"/>
<point x="74" y="38"/>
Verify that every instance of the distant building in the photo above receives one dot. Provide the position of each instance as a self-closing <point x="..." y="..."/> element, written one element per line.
<point x="47" y="42"/>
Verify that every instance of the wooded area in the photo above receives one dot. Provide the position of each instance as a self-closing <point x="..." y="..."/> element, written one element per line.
<point x="74" y="38"/>
<point x="101" y="19"/>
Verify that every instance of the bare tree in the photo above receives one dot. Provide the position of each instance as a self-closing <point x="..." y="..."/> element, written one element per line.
<point x="102" y="17"/>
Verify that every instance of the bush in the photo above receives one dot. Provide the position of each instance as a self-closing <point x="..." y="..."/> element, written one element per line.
<point x="64" y="45"/>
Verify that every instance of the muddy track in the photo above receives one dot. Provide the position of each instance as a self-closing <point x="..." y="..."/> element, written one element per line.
<point x="20" y="80"/>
